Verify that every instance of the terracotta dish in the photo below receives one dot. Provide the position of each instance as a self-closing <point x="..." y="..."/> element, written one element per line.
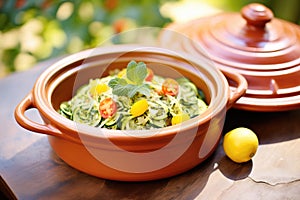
<point x="264" y="49"/>
<point x="130" y="155"/>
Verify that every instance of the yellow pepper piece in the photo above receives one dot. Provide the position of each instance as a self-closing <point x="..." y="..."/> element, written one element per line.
<point x="99" y="89"/>
<point x="139" y="107"/>
<point x="177" y="119"/>
<point x="122" y="73"/>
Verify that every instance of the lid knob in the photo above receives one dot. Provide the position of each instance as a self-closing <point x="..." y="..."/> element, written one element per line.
<point x="257" y="15"/>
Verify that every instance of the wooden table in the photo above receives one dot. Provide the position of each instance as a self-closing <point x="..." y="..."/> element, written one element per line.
<point x="32" y="170"/>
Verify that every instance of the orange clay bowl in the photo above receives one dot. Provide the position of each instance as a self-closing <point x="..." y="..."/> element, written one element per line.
<point x="133" y="155"/>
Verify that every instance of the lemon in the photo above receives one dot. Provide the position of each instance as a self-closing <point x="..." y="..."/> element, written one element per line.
<point x="240" y="144"/>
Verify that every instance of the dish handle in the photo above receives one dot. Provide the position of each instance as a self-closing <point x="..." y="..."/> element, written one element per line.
<point x="25" y="122"/>
<point x="238" y="86"/>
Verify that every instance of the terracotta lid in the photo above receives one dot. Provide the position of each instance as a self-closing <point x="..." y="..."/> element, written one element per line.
<point x="264" y="49"/>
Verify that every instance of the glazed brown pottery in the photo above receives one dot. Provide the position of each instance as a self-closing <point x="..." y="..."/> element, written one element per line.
<point x="264" y="49"/>
<point x="130" y="155"/>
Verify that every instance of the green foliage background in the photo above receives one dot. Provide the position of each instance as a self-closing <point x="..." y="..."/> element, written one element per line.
<point x="54" y="33"/>
<point x="35" y="30"/>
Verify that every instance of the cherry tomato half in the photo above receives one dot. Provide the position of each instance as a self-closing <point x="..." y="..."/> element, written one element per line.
<point x="170" y="87"/>
<point x="150" y="75"/>
<point x="107" y="107"/>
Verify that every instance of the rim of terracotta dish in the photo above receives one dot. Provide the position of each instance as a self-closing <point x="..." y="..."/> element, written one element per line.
<point x="42" y="98"/>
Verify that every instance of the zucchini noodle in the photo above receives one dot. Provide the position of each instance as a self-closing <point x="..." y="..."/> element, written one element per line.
<point x="84" y="105"/>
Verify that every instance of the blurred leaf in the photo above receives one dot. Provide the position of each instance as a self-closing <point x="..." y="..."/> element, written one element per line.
<point x="9" y="56"/>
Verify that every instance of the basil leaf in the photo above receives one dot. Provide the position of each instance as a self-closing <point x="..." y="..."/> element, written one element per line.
<point x="117" y="82"/>
<point x="136" y="72"/>
<point x="123" y="90"/>
<point x="119" y="86"/>
<point x="143" y="89"/>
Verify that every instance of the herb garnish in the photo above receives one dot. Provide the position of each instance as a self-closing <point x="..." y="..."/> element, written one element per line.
<point x="135" y="74"/>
